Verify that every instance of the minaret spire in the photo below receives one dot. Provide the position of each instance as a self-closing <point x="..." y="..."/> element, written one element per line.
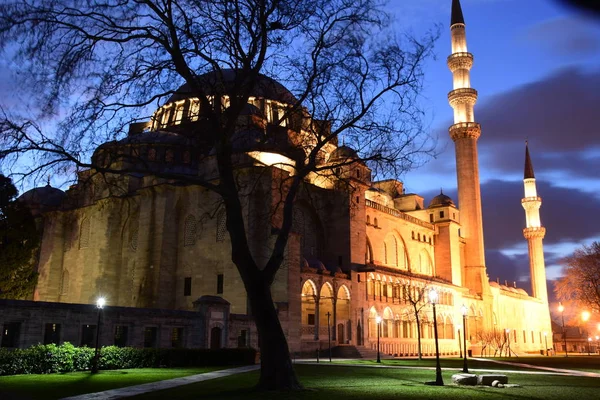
<point x="528" y="166"/>
<point x="465" y="133"/>
<point x="534" y="232"/>
<point x="457" y="15"/>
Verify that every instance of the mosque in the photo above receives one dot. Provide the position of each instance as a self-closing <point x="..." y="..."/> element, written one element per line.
<point x="358" y="269"/>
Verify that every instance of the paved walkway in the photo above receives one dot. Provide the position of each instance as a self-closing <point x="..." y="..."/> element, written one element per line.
<point x="160" y="385"/>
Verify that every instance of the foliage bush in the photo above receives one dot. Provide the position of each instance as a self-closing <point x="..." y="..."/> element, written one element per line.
<point x="50" y="358"/>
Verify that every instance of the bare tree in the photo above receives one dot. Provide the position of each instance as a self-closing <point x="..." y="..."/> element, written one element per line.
<point x="494" y="339"/>
<point x="580" y="283"/>
<point x="415" y="293"/>
<point x="100" y="67"/>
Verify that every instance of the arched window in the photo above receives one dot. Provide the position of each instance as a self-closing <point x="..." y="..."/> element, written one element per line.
<point x="84" y="233"/>
<point x="133" y="238"/>
<point x="368" y="220"/>
<point x="221" y="226"/>
<point x="169" y="156"/>
<point x="424" y="263"/>
<point x="305" y="224"/>
<point x="189" y="231"/>
<point x="375" y="222"/>
<point x="385" y="253"/>
<point x="64" y="283"/>
<point x="151" y="154"/>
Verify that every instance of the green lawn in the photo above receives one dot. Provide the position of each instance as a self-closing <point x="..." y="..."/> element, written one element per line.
<point x="324" y="382"/>
<point x="327" y="382"/>
<point x="56" y="386"/>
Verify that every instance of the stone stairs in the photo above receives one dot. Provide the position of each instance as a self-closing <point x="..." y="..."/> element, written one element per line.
<point x="370" y="354"/>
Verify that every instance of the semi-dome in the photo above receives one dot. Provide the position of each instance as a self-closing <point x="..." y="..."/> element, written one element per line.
<point x="441" y="200"/>
<point x="343" y="153"/>
<point x="42" y="198"/>
<point x="265" y="87"/>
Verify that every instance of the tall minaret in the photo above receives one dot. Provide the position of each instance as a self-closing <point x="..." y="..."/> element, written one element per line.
<point x="534" y="232"/>
<point x="465" y="133"/>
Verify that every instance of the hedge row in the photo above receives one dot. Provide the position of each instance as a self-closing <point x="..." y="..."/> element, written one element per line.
<point x="50" y="358"/>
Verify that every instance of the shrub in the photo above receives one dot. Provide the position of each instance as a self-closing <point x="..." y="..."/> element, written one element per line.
<point x="50" y="358"/>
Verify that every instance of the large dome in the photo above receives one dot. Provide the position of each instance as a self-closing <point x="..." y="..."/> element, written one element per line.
<point x="265" y="87"/>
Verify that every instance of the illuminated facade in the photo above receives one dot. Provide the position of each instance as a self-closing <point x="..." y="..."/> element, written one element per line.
<point x="353" y="255"/>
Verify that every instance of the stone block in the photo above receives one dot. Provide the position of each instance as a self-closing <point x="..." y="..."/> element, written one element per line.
<point x="487" y="380"/>
<point x="465" y="379"/>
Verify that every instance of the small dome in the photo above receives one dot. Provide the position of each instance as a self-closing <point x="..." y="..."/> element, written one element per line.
<point x="343" y="153"/>
<point x="318" y="265"/>
<point x="43" y="197"/>
<point x="441" y="200"/>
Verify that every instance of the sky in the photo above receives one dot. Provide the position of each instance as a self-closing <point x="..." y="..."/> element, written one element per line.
<point x="537" y="72"/>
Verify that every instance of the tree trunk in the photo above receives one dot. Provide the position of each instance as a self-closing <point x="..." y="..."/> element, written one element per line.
<point x="276" y="369"/>
<point x="419" y="336"/>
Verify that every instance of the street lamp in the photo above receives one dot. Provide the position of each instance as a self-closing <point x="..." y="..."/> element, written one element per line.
<point x="546" y="342"/>
<point x="561" y="309"/>
<point x="464" y="311"/>
<point x="585" y="316"/>
<point x="433" y="298"/>
<point x="508" y="337"/>
<point x="378" y="320"/>
<point x="329" y="333"/>
<point x="100" y="305"/>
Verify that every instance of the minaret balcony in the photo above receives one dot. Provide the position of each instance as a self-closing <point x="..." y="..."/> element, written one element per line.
<point x="461" y="60"/>
<point x="531" y="199"/>
<point x="534" y="232"/>
<point x="462" y="130"/>
<point x="462" y="96"/>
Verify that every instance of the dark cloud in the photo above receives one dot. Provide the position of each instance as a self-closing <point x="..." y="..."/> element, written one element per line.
<point x="565" y="213"/>
<point x="558" y="113"/>
<point x="508" y="269"/>
<point x="569" y="36"/>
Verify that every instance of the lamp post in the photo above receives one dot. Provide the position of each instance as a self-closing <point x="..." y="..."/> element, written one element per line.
<point x="508" y="338"/>
<point x="100" y="305"/>
<point x="589" y="344"/>
<point x="464" y="311"/>
<point x="378" y="321"/>
<point x="433" y="298"/>
<point x="561" y="309"/>
<point x="546" y="342"/>
<point x="329" y="333"/>
<point x="585" y="316"/>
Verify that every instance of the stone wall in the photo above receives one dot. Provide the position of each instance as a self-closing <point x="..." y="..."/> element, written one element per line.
<point x="26" y="323"/>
